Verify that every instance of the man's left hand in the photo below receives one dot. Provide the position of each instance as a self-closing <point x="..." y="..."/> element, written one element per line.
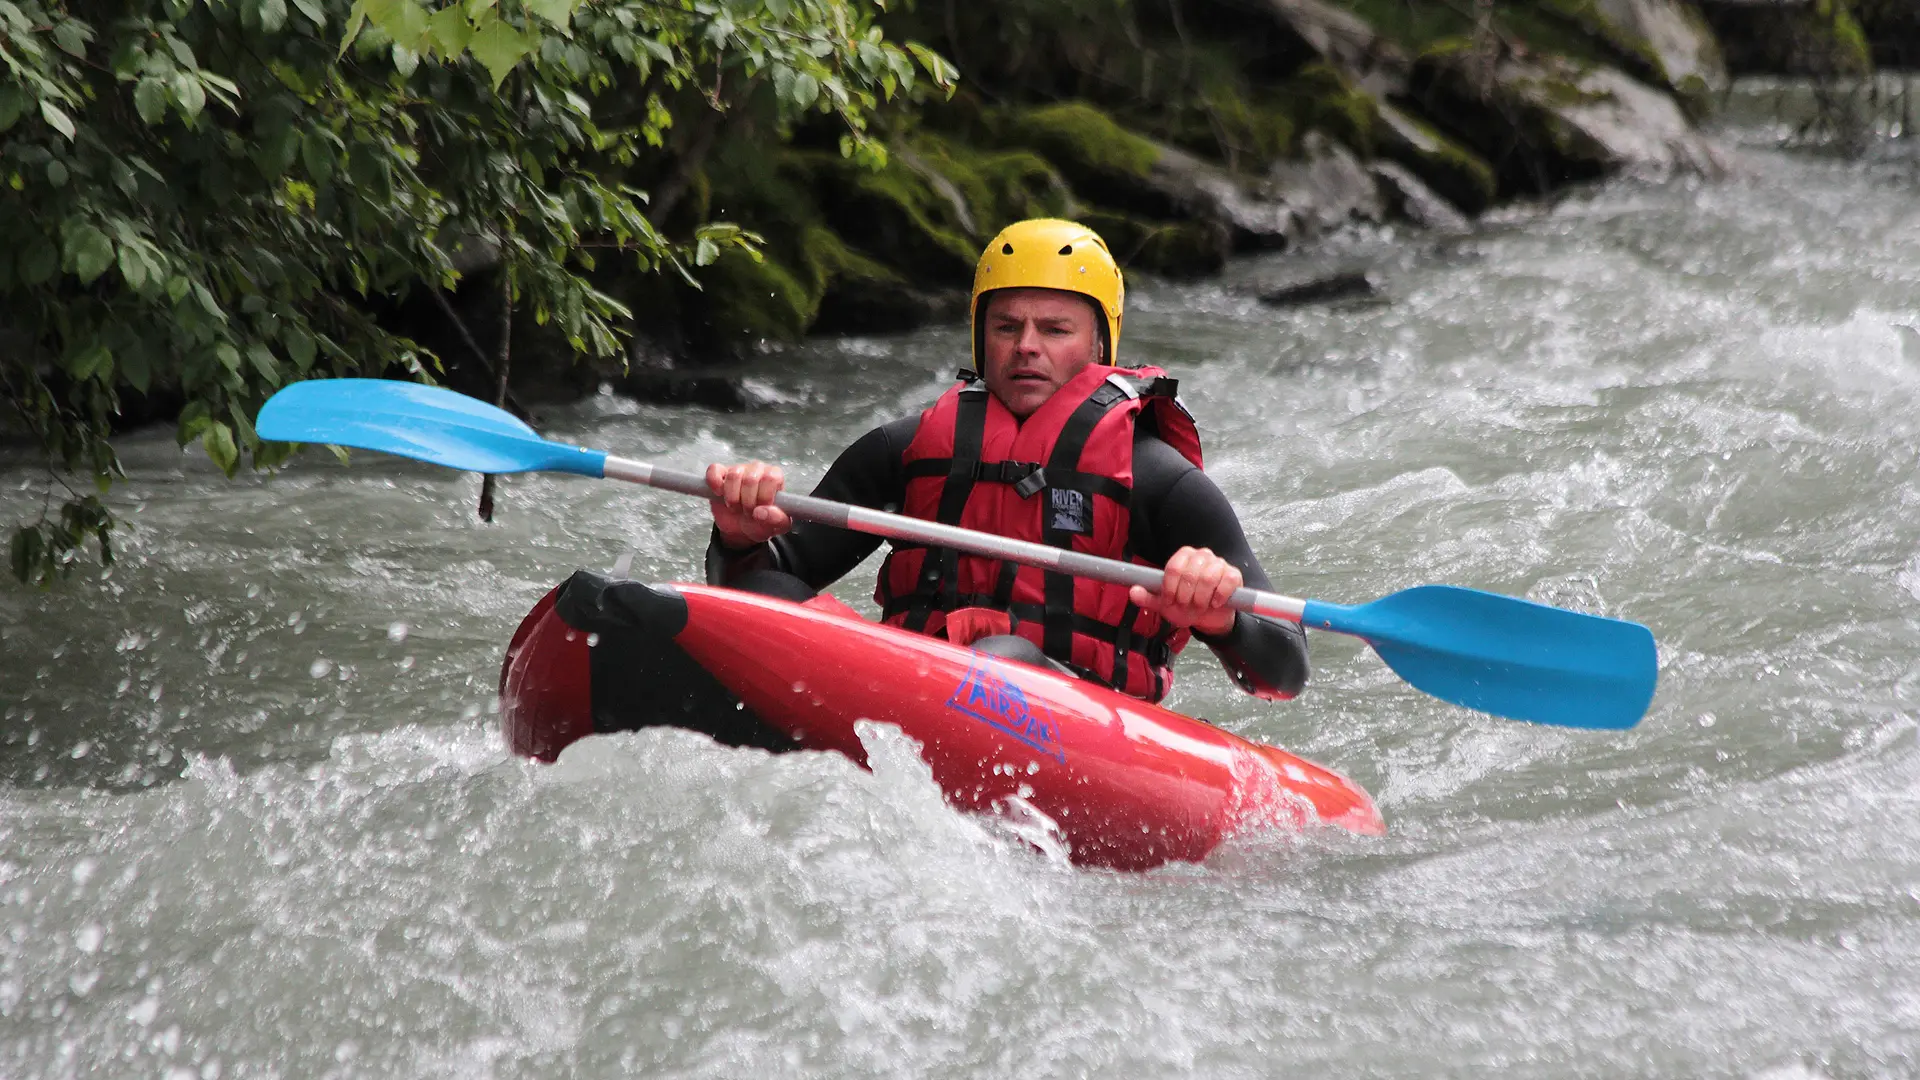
<point x="1194" y="592"/>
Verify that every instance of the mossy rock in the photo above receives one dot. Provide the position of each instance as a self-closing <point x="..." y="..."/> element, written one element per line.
<point x="1178" y="249"/>
<point x="895" y="214"/>
<point x="744" y="300"/>
<point x="1820" y="39"/>
<point x="1105" y="162"/>
<point x="1461" y="176"/>
<point x="1324" y="99"/>
<point x="1239" y="127"/>
<point x="999" y="187"/>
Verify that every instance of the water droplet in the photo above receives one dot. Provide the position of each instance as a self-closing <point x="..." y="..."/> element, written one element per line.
<point x="1032" y="767"/>
<point x="397" y="632"/>
<point x="88" y="938"/>
<point x="83" y="982"/>
<point x="593" y="640"/>
<point x="144" y="1012"/>
<point x="406" y="663"/>
<point x="80" y="749"/>
<point x="1707" y="720"/>
<point x="319" y="668"/>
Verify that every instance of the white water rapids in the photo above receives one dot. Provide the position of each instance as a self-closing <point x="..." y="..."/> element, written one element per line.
<point x="255" y="819"/>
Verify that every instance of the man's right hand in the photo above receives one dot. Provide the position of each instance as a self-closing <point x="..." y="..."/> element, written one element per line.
<point x="742" y="503"/>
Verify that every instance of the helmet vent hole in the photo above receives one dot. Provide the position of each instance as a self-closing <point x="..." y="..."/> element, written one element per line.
<point x="1068" y="250"/>
<point x="1006" y="249"/>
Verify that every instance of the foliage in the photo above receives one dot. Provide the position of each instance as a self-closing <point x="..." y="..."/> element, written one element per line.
<point x="206" y="199"/>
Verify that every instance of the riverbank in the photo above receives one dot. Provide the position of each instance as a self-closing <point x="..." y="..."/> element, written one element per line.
<point x="1186" y="134"/>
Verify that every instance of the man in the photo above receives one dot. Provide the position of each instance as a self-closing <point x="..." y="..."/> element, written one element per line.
<point x="1050" y="443"/>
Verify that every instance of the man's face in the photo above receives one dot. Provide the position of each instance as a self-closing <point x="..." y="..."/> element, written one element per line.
<point x="1036" y="341"/>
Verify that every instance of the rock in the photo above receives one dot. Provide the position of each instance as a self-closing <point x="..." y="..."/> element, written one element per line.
<point x="1201" y="189"/>
<point x="995" y="188"/>
<point x="658" y="375"/>
<point x="1674" y="35"/>
<point x="1892" y="28"/>
<point x="1344" y="285"/>
<point x="1327" y="188"/>
<point x="1161" y="208"/>
<point x="1179" y="249"/>
<point x="1457" y="173"/>
<point x="1408" y="198"/>
<point x="1105" y="163"/>
<point x="898" y="215"/>
<point x="886" y="307"/>
<point x="1551" y="122"/>
<point x="1789" y="37"/>
<point x="1347" y="42"/>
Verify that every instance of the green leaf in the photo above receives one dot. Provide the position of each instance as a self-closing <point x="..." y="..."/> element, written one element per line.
<point x="89" y="252"/>
<point x="177" y="287"/>
<point x="340" y="454"/>
<point x="248" y="436"/>
<point x="229" y="356"/>
<point x="316" y="153"/>
<point x="499" y="47"/>
<point x="57" y="173"/>
<point x="96" y="360"/>
<point x="300" y="348"/>
<point x="356" y="19"/>
<point x="806" y="90"/>
<point x="264" y="363"/>
<point x="314" y="13"/>
<point x="72" y="36"/>
<point x="405" y="60"/>
<point x="275" y="154"/>
<point x="705" y="251"/>
<point x="557" y="12"/>
<point x="56" y="119"/>
<point x="135" y="367"/>
<point x="405" y="21"/>
<point x="450" y="30"/>
<point x="189" y="95"/>
<point x="778" y="9"/>
<point x="220" y="447"/>
<point x="134" y="268"/>
<point x="13" y="103"/>
<point x="273" y="15"/>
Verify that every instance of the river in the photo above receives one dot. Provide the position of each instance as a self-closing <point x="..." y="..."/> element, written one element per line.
<point x="256" y="820"/>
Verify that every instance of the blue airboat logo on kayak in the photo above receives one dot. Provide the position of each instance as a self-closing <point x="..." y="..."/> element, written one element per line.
<point x="989" y="698"/>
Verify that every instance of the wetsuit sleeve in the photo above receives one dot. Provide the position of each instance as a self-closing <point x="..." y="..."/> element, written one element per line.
<point x="1177" y="505"/>
<point x="868" y="473"/>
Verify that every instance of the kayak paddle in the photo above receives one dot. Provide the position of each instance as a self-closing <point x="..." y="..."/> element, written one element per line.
<point x="1496" y="654"/>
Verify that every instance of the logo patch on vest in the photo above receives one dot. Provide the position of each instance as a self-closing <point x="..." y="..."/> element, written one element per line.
<point x="1070" y="511"/>
<point x="987" y="696"/>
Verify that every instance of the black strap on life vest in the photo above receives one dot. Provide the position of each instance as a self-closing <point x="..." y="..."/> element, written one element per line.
<point x="1064" y="459"/>
<point x="940" y="571"/>
<point x="1027" y="478"/>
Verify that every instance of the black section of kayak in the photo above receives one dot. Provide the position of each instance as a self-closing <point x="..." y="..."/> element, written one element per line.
<point x="641" y="677"/>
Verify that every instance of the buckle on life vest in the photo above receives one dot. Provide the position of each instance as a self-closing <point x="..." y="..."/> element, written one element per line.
<point x="969" y="624"/>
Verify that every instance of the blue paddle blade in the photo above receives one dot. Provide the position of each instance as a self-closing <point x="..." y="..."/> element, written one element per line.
<point x="426" y="423"/>
<point x="1506" y="656"/>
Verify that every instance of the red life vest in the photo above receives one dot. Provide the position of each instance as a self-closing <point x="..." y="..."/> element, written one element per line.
<point x="1063" y="477"/>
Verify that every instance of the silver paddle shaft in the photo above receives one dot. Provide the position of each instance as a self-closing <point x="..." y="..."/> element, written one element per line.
<point x="934" y="534"/>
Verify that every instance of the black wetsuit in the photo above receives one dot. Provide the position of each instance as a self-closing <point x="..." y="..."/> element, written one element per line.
<point x="1174" y="505"/>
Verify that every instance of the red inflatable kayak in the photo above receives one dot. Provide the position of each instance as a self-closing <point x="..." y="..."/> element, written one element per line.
<point x="1128" y="784"/>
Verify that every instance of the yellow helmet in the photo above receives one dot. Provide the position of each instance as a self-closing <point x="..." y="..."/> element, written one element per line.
<point x="1047" y="253"/>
